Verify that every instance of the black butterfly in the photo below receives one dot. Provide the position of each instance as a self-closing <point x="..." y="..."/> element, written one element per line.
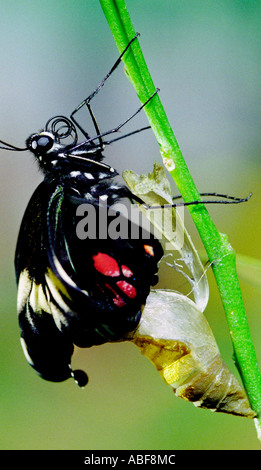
<point x="75" y="291"/>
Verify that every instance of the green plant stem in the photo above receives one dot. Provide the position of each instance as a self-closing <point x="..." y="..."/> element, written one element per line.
<point x="219" y="251"/>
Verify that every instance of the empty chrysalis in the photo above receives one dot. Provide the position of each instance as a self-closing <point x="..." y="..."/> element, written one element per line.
<point x="168" y="224"/>
<point x="176" y="337"/>
<point x="173" y="332"/>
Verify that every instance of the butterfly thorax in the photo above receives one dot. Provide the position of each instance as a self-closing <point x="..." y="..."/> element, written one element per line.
<point x="77" y="168"/>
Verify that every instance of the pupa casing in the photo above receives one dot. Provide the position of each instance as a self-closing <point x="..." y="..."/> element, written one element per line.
<point x="176" y="337"/>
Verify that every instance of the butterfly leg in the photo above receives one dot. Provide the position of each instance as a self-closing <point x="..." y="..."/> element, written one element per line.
<point x="91" y="96"/>
<point x="117" y="128"/>
<point x="115" y="65"/>
<point x="97" y="129"/>
<point x="226" y="200"/>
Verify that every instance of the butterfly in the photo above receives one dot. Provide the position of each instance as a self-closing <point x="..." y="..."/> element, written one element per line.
<point x="74" y="291"/>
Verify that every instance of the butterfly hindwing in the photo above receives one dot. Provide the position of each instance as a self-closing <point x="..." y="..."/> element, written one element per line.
<point x="104" y="282"/>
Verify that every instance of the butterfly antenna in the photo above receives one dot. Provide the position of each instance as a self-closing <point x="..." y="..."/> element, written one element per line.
<point x="11" y="147"/>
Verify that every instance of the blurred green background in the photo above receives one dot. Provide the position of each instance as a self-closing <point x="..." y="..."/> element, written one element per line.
<point x="205" y="58"/>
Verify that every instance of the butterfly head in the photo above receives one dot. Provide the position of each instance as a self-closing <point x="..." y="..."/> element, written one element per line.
<point x="48" y="141"/>
<point x="46" y="149"/>
<point x="42" y="143"/>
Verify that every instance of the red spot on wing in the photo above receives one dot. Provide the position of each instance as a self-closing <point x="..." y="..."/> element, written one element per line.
<point x="127" y="288"/>
<point x="117" y="299"/>
<point x="126" y="271"/>
<point x="106" y="265"/>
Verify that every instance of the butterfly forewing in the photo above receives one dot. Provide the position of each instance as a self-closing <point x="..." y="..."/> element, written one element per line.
<point x="45" y="347"/>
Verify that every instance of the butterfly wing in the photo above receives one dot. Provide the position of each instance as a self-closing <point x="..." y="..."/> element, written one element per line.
<point x="99" y="284"/>
<point x="73" y="291"/>
<point x="46" y="348"/>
